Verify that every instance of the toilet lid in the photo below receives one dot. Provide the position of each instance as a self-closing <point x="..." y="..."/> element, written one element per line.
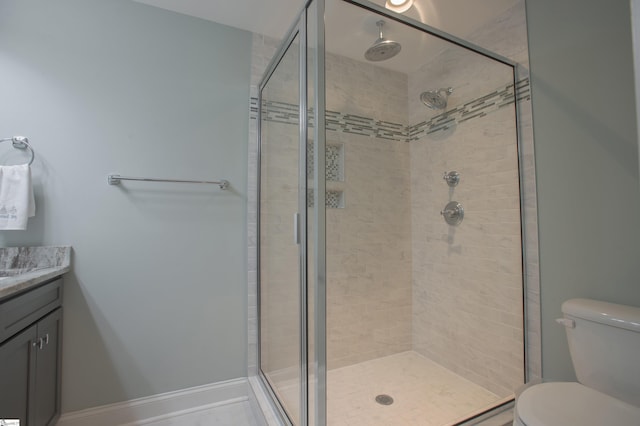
<point x="564" y="404"/>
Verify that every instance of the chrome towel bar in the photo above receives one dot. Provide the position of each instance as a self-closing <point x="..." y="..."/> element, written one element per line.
<point x="115" y="180"/>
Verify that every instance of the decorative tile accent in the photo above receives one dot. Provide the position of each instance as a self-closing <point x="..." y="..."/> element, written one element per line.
<point x="253" y="108"/>
<point x="479" y="107"/>
<point x="310" y="199"/>
<point x="280" y="112"/>
<point x="283" y="112"/>
<point x="365" y="126"/>
<point x="334" y="162"/>
<point x="334" y="199"/>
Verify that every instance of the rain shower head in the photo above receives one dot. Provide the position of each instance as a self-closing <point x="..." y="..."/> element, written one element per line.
<point x="382" y="48"/>
<point x="436" y="99"/>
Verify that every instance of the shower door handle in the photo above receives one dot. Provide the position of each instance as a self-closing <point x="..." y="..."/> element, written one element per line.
<point x="296" y="228"/>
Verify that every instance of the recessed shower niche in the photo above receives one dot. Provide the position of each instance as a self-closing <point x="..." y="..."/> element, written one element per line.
<point x="383" y="297"/>
<point x="334" y="174"/>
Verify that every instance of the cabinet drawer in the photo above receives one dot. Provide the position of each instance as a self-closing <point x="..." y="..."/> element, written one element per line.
<point x="22" y="310"/>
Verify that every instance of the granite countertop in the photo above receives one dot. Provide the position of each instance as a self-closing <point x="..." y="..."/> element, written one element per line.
<point x="25" y="267"/>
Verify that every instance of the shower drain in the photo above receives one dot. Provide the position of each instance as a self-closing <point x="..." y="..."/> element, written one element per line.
<point x="384" y="399"/>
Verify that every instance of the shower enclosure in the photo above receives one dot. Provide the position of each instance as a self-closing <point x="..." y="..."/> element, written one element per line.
<point x="390" y="268"/>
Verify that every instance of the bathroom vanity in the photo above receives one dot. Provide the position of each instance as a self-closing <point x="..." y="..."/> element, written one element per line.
<point x="30" y="333"/>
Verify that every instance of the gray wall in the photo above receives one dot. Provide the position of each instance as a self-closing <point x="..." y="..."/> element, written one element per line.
<point x="587" y="162"/>
<point x="157" y="297"/>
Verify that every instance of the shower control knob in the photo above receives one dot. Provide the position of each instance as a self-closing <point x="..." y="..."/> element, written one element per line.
<point x="453" y="213"/>
<point x="452" y="178"/>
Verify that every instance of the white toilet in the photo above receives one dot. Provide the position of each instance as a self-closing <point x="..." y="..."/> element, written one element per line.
<point x="604" y="341"/>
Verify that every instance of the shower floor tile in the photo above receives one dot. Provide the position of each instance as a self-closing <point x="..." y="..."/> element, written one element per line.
<point x="424" y="393"/>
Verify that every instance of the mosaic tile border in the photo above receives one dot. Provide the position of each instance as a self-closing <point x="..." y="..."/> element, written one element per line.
<point x="365" y="126"/>
<point x="476" y="108"/>
<point x="282" y="112"/>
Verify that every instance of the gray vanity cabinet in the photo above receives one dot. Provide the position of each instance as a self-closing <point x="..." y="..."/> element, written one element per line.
<point x="47" y="372"/>
<point x="16" y="363"/>
<point x="30" y="358"/>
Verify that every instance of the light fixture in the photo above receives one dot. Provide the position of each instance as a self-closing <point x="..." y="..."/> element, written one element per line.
<point x="399" y="6"/>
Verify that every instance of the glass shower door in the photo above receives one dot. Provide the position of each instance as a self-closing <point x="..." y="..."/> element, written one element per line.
<point x="281" y="265"/>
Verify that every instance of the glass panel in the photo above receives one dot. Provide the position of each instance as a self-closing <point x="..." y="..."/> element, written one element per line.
<point x="280" y="307"/>
<point x="425" y="312"/>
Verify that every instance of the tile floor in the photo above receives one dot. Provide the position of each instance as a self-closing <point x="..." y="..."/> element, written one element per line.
<point x="236" y="414"/>
<point x="424" y="393"/>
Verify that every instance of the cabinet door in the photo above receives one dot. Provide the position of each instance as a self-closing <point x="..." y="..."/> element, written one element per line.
<point x="17" y="358"/>
<point x="47" y="390"/>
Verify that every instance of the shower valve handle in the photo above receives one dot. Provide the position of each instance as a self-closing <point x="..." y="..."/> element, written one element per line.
<point x="453" y="213"/>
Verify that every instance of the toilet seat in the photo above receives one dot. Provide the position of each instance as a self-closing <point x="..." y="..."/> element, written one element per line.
<point x="570" y="403"/>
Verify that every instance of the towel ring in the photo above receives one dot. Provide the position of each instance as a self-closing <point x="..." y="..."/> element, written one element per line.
<point x="21" y="142"/>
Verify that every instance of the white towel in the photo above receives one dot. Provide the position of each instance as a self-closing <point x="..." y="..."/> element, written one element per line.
<point x="16" y="197"/>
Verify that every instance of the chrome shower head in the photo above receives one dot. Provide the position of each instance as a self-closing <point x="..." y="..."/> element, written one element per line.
<point x="436" y="99"/>
<point x="382" y="48"/>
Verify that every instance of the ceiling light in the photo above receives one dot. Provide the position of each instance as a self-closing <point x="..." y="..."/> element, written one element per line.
<point x="399" y="6"/>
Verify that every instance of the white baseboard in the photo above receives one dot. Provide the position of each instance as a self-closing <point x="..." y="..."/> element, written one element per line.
<point x="142" y="410"/>
<point x="262" y="406"/>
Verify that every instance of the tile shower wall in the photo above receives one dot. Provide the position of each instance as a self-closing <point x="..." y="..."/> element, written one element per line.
<point x="369" y="240"/>
<point x="369" y="255"/>
<point x="467" y="279"/>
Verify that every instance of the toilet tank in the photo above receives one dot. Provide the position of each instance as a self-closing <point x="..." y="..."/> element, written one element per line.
<point x="604" y="341"/>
